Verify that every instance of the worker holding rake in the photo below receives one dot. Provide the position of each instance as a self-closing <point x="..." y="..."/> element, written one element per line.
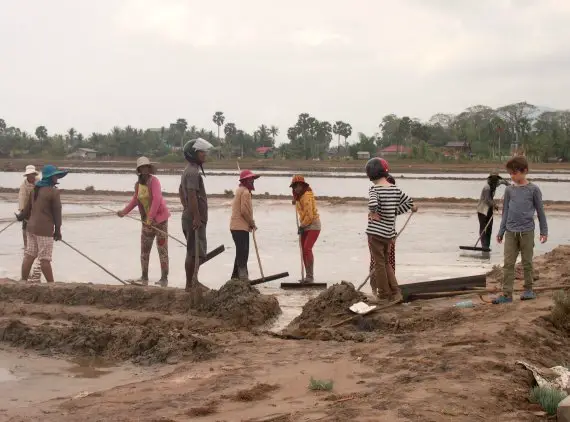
<point x="309" y="226"/>
<point x="242" y="223"/>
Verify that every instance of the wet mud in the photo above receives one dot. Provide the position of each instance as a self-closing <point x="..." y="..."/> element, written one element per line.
<point x="144" y="325"/>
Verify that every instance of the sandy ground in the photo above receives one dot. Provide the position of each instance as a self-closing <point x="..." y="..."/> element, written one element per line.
<point x="8" y="164"/>
<point x="426" y="361"/>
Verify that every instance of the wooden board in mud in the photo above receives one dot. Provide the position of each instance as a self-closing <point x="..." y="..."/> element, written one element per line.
<point x="445" y="285"/>
<point x="269" y="278"/>
<point x="303" y="285"/>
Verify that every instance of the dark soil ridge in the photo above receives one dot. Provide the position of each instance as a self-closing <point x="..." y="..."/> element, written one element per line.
<point x="237" y="304"/>
<point x="145" y="325"/>
<point x="144" y="345"/>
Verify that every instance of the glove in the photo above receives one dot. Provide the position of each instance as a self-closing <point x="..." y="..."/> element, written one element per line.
<point x="57" y="235"/>
<point x="19" y="216"/>
<point x="300" y="231"/>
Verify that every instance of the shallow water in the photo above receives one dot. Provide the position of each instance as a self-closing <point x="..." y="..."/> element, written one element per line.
<point x="323" y="186"/>
<point x="427" y="249"/>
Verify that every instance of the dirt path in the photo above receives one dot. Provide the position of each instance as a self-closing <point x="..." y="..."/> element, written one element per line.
<point x="426" y="361"/>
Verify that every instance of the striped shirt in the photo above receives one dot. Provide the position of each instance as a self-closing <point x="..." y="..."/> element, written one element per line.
<point x="388" y="201"/>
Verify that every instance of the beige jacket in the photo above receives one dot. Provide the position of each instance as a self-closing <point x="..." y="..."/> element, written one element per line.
<point x="242" y="211"/>
<point x="26" y="189"/>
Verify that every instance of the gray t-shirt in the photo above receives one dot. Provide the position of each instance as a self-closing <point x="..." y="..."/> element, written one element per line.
<point x="520" y="203"/>
<point x="192" y="180"/>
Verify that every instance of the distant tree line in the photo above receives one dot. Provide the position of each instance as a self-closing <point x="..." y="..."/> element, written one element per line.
<point x="486" y="132"/>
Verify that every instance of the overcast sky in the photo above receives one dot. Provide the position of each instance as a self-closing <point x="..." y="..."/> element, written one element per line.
<point x="99" y="63"/>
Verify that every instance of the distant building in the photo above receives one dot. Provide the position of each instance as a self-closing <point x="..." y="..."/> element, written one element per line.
<point x="83" y="153"/>
<point x="363" y="155"/>
<point x="266" y="152"/>
<point x="458" y="147"/>
<point x="395" y="150"/>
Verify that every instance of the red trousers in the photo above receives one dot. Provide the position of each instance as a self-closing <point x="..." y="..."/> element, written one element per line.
<point x="308" y="239"/>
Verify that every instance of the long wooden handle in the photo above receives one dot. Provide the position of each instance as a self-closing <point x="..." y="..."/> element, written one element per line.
<point x="8" y="225"/>
<point x="300" y="247"/>
<point x="155" y="228"/>
<point x="483" y="232"/>
<point x="257" y="253"/>
<point x="96" y="263"/>
<point x="196" y="257"/>
<point x="399" y="233"/>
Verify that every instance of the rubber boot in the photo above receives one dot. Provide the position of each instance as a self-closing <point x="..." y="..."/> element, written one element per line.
<point x="310" y="276"/>
<point x="242" y="274"/>
<point x="144" y="279"/>
<point x="163" y="282"/>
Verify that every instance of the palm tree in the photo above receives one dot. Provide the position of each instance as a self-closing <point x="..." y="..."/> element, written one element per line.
<point x="263" y="134"/>
<point x="274" y="131"/>
<point x="2" y="125"/>
<point x="218" y="119"/>
<point x="41" y="133"/>
<point x="337" y="130"/>
<point x="346" y="132"/>
<point x="230" y="131"/>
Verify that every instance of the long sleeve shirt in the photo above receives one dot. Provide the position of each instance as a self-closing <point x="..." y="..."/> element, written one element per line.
<point x="26" y="189"/>
<point x="388" y="201"/>
<point x="520" y="204"/>
<point x="242" y="211"/>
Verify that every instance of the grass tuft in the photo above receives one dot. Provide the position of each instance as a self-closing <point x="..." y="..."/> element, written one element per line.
<point x="547" y="398"/>
<point x="320" y="385"/>
<point x="560" y="315"/>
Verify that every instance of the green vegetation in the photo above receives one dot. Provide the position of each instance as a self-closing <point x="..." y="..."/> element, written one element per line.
<point x="320" y="385"/>
<point x="479" y="132"/>
<point x="560" y="314"/>
<point x="548" y="398"/>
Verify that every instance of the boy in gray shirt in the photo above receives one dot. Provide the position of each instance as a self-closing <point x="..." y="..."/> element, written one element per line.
<point x="517" y="226"/>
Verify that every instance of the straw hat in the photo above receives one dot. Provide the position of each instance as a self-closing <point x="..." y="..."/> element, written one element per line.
<point x="297" y="179"/>
<point x="144" y="161"/>
<point x="247" y="174"/>
<point x="30" y="169"/>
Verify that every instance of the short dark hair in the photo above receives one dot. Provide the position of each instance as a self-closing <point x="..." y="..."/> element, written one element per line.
<point x="518" y="163"/>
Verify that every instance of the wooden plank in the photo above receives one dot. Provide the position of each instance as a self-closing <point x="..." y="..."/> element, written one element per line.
<point x="214" y="253"/>
<point x="445" y="285"/>
<point x="268" y="278"/>
<point x="303" y="285"/>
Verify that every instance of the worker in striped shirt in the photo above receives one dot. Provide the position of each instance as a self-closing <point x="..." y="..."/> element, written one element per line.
<point x="386" y="201"/>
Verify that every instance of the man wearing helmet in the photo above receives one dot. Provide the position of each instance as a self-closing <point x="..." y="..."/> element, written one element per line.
<point x="195" y="204"/>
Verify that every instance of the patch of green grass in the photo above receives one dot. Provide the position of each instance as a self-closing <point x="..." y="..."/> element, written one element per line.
<point x="548" y="398"/>
<point x="320" y="385"/>
<point x="560" y="315"/>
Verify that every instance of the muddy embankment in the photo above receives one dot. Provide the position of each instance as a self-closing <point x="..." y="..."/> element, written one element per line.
<point x="147" y="325"/>
<point x="426" y="361"/>
<point x="321" y="316"/>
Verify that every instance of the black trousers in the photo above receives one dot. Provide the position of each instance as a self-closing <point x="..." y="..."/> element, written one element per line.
<point x="486" y="236"/>
<point x="241" y="240"/>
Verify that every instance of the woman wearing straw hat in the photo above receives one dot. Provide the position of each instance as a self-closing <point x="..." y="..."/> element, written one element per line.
<point x="309" y="222"/>
<point x="31" y="176"/>
<point x="242" y="223"/>
<point x="154" y="214"/>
